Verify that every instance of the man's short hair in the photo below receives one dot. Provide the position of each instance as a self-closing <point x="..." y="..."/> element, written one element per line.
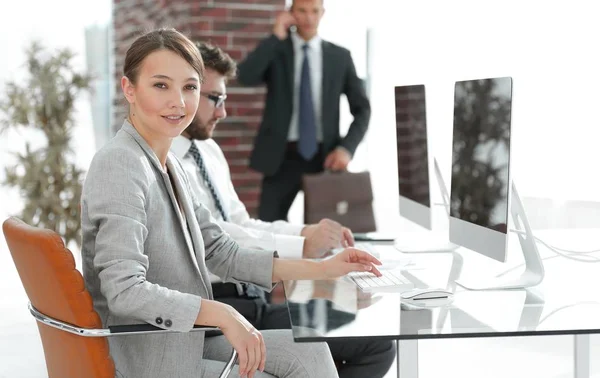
<point x="217" y="59"/>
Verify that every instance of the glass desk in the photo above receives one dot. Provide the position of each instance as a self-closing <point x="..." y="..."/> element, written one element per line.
<point x="566" y="303"/>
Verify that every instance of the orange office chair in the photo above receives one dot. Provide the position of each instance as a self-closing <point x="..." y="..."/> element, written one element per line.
<point x="74" y="341"/>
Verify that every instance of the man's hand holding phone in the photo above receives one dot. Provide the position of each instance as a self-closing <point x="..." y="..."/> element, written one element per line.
<point x="282" y="24"/>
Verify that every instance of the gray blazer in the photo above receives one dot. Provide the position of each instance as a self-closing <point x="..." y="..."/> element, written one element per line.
<point x="138" y="265"/>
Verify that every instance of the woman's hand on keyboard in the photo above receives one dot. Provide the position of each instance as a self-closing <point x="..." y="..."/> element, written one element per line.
<point x="351" y="260"/>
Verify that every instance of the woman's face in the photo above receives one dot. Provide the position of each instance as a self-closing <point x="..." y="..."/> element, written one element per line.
<point x="165" y="97"/>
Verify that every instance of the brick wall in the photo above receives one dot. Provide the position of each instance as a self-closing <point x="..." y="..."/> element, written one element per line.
<point x="234" y="25"/>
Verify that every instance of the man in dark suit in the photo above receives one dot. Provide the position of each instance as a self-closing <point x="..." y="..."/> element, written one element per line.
<point x="305" y="77"/>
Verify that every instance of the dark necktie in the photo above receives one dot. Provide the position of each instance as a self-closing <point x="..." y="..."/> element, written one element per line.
<point x="307" y="128"/>
<point x="213" y="191"/>
<point x="243" y="288"/>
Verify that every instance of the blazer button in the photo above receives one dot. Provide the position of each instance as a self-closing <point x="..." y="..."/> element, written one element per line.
<point x="168" y="323"/>
<point x="159" y="320"/>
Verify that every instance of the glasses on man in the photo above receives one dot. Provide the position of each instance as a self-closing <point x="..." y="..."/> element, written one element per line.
<point x="218" y="100"/>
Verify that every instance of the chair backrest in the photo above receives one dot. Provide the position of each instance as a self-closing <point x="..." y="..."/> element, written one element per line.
<point x="56" y="288"/>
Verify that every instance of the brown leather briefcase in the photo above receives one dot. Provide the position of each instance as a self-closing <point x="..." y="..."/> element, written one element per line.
<point x="345" y="197"/>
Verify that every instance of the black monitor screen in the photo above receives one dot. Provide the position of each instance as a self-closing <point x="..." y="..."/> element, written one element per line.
<point x="480" y="152"/>
<point x="411" y="139"/>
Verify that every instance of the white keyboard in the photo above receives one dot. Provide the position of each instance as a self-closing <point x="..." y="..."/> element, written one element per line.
<point x="389" y="279"/>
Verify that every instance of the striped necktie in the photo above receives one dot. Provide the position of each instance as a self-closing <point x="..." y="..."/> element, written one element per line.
<point x="243" y="288"/>
<point x="207" y="180"/>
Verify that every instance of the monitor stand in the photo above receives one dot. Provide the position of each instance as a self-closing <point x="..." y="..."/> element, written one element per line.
<point x="534" y="267"/>
<point x="428" y="242"/>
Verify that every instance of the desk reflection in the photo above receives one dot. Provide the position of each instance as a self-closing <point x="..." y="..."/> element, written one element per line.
<point x="330" y="309"/>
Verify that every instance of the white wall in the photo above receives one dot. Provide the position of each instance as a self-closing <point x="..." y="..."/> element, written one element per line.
<point x="549" y="48"/>
<point x="549" y="51"/>
<point x="57" y="24"/>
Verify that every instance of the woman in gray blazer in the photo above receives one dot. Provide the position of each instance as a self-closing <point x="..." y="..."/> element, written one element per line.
<point x="148" y="242"/>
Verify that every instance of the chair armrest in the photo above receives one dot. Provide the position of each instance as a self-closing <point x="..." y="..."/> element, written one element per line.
<point x="119" y="330"/>
<point x="149" y="328"/>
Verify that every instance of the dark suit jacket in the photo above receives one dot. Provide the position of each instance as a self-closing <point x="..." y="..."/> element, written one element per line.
<point x="272" y="63"/>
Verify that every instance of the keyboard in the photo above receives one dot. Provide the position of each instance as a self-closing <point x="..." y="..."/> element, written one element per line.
<point x="390" y="279"/>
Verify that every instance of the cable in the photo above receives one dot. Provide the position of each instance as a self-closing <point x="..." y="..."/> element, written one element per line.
<point x="554" y="247"/>
<point x="578" y="252"/>
<point x="568" y="254"/>
<point x="560" y="252"/>
<point x="565" y="307"/>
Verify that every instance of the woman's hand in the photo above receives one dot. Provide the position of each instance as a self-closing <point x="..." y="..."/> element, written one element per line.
<point x="246" y="340"/>
<point x="350" y="260"/>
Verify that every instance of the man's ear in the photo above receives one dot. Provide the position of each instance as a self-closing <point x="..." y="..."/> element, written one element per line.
<point x="128" y="89"/>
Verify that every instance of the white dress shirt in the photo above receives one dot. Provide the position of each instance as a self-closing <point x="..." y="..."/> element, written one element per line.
<point x="315" y="61"/>
<point x="279" y="236"/>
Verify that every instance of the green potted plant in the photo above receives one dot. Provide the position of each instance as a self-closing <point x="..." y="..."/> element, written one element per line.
<point x="47" y="178"/>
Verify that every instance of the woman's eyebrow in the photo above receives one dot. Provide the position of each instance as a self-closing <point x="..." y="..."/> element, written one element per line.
<point x="165" y="77"/>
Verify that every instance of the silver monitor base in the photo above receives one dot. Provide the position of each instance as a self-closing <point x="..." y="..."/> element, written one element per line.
<point x="534" y="267"/>
<point x="527" y="279"/>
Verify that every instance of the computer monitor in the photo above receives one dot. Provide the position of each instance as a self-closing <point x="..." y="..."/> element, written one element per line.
<point x="414" y="178"/>
<point x="482" y="194"/>
<point x="413" y="154"/>
<point x="480" y="165"/>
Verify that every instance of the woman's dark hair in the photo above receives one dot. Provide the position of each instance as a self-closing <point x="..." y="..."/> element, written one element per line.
<point x="161" y="39"/>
